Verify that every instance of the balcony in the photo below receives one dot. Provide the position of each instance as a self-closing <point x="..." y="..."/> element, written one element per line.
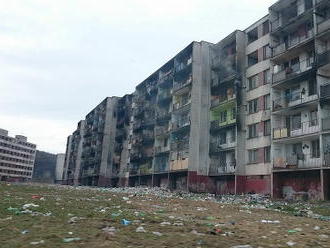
<point x="145" y="169"/>
<point x="217" y="147"/>
<point x="182" y="105"/>
<point x="293" y="42"/>
<point x="177" y="86"/>
<point x="294" y="100"/>
<point x="163" y="116"/>
<point x="222" y="100"/>
<point x="181" y="125"/>
<point x="162" y="130"/>
<point x="292" y="72"/>
<point x="217" y="124"/>
<point x="179" y="165"/>
<point x="297" y="161"/>
<point x="179" y="145"/>
<point x="161" y="149"/>
<point x="303" y="128"/>
<point x="164" y="97"/>
<point x="222" y="168"/>
<point x="326" y="124"/>
<point x="323" y="59"/>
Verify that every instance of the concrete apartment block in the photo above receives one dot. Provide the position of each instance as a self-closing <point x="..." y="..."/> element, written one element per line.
<point x="249" y="114"/>
<point x="17" y="157"/>
<point x="300" y="64"/>
<point x="170" y="122"/>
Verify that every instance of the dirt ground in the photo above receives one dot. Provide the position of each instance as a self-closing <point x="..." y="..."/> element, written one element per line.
<point x="88" y="217"/>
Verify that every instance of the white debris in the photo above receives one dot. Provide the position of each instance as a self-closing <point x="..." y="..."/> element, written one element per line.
<point x="140" y="229"/>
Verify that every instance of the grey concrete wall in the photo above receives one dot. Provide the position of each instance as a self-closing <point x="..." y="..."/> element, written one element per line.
<point x="109" y="135"/>
<point x="60" y="158"/>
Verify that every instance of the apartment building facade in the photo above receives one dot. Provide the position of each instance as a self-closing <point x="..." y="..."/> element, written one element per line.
<point x="17" y="157"/>
<point x="300" y="40"/>
<point x="249" y="114"/>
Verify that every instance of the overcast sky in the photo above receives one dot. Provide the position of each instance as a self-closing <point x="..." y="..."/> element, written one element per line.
<point x="60" y="58"/>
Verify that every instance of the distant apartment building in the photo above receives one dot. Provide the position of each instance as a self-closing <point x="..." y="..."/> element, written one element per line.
<point x="249" y="114"/>
<point x="16" y="157"/>
<point x="44" y="167"/>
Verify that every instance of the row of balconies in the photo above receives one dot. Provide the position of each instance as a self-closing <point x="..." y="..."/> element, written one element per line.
<point x="303" y="128"/>
<point x="224" y="167"/>
<point x="293" y="41"/>
<point x="293" y="100"/>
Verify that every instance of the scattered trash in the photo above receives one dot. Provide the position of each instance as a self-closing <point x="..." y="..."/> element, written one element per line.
<point x="201" y="209"/>
<point x="270" y="221"/>
<point x="290" y="243"/>
<point x="177" y="224"/>
<point x="316" y="228"/>
<point x="197" y="233"/>
<point x="37" y="242"/>
<point x="70" y="233"/>
<point x="324" y="236"/>
<point x="292" y="231"/>
<point x="24" y="231"/>
<point x="242" y="246"/>
<point x="68" y="240"/>
<point x="109" y="230"/>
<point x="36" y="197"/>
<point x="157" y="234"/>
<point x="165" y="223"/>
<point x="126" y="222"/>
<point x="140" y="229"/>
<point x="125" y="198"/>
<point x="30" y="205"/>
<point x="210" y="218"/>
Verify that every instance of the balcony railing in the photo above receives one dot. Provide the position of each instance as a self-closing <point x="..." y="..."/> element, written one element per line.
<point x="164" y="96"/>
<point x="216" y="124"/>
<point x="179" y="145"/>
<point x="292" y="71"/>
<point x="162" y="130"/>
<point x="182" y="84"/>
<point x="326" y="124"/>
<point x="161" y="149"/>
<point x="217" y="147"/>
<point x="222" y="100"/>
<point x="181" y="105"/>
<point x="222" y="168"/>
<point x="303" y="128"/>
<point x="161" y="167"/>
<point x="181" y="123"/>
<point x="281" y="48"/>
<point x="297" y="161"/>
<point x="292" y="100"/>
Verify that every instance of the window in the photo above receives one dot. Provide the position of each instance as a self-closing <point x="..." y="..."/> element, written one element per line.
<point x="265" y="27"/>
<point x="267" y="77"/>
<point x="253" y="106"/>
<point x="253" y="58"/>
<point x="222" y="139"/>
<point x="267" y="154"/>
<point x="223" y="116"/>
<point x="267" y="52"/>
<point x="312" y="87"/>
<point x="253" y="82"/>
<point x="315" y="149"/>
<point x="252" y="156"/>
<point x="267" y="101"/>
<point x="252" y="131"/>
<point x="297" y="149"/>
<point x="252" y="35"/>
<point x="295" y="93"/>
<point x="233" y="113"/>
<point x="267" y="128"/>
<point x="313" y="118"/>
<point x="296" y="122"/>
